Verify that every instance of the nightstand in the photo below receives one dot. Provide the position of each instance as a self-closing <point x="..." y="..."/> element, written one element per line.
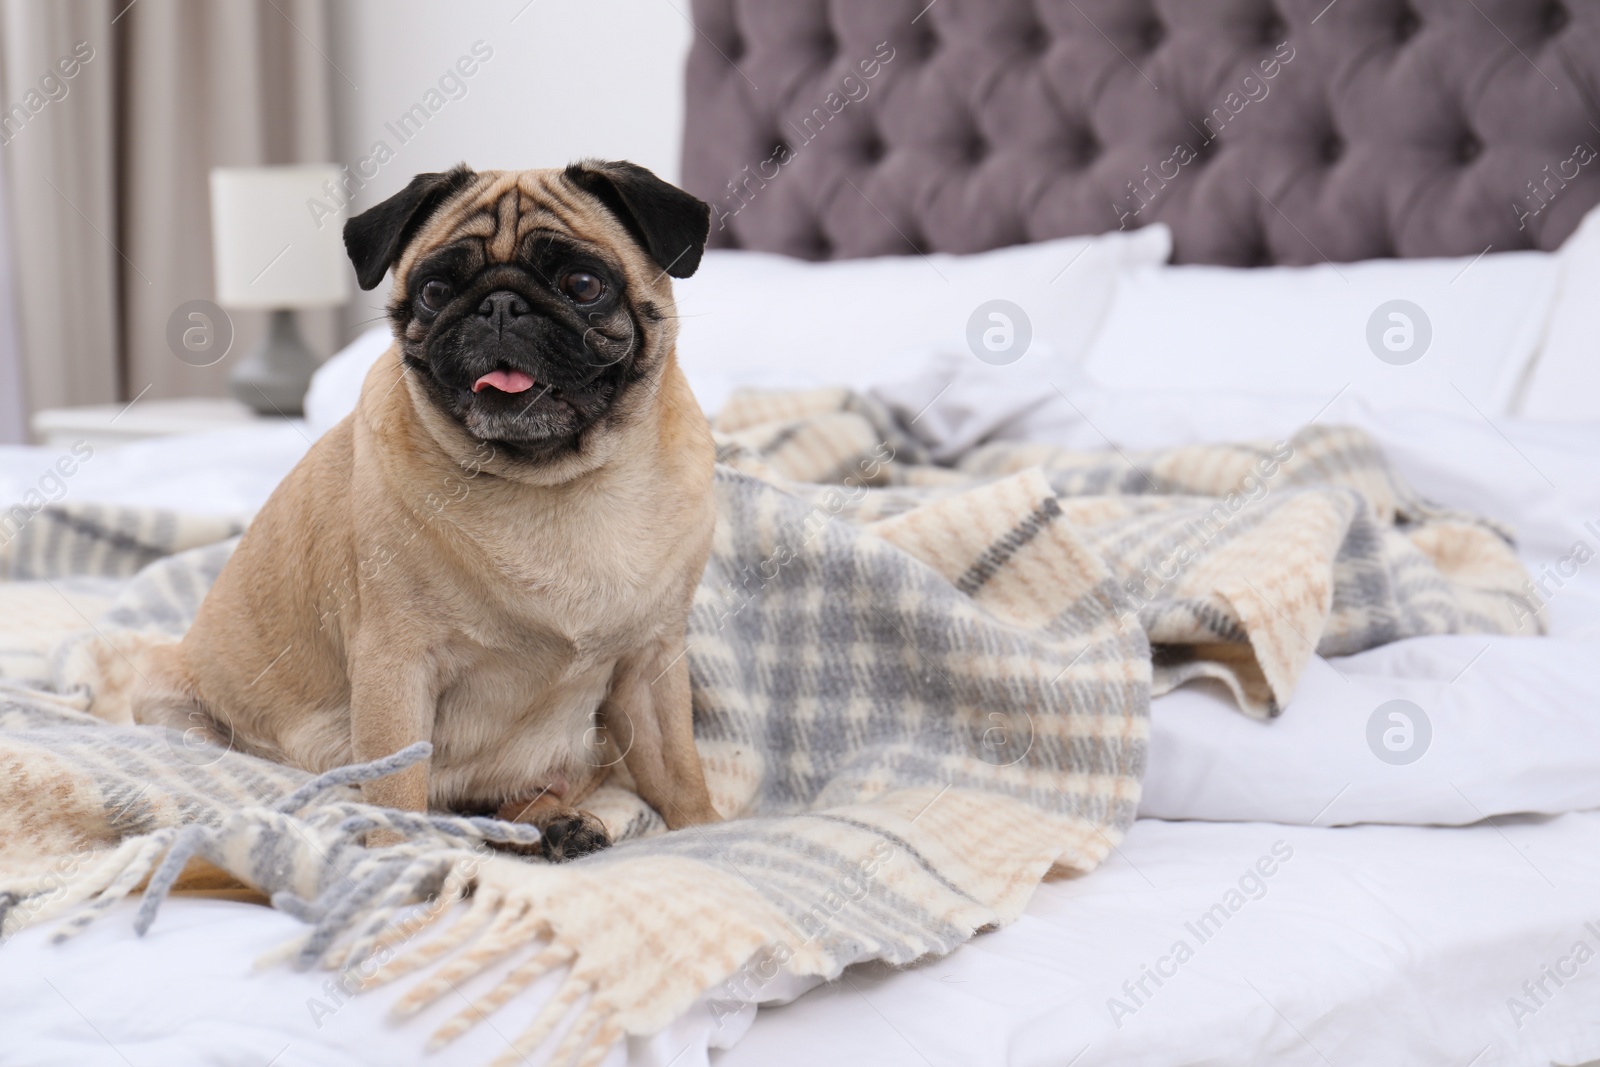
<point x="106" y="425"/>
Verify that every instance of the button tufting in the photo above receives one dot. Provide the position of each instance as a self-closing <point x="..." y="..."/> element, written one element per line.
<point x="1057" y="148"/>
<point x="1555" y="17"/>
<point x="1089" y="146"/>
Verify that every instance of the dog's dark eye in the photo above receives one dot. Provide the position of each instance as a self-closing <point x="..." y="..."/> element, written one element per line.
<point x="435" y="294"/>
<point x="582" y="286"/>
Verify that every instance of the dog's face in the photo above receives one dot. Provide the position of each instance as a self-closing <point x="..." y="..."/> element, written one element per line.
<point x="532" y="305"/>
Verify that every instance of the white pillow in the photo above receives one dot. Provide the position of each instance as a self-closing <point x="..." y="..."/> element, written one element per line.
<point x="757" y="319"/>
<point x="1466" y="330"/>
<point x="1564" y="384"/>
<point x="337" y="383"/>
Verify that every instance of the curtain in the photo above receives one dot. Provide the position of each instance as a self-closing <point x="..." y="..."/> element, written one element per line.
<point x="61" y="196"/>
<point x="108" y="173"/>
<point x="13" y="415"/>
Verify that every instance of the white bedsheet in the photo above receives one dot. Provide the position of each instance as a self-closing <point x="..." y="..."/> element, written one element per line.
<point x="1370" y="945"/>
<point x="229" y="472"/>
<point x="188" y="995"/>
<point x="1366" y="945"/>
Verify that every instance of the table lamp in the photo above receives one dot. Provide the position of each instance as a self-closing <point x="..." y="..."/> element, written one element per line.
<point x="277" y="239"/>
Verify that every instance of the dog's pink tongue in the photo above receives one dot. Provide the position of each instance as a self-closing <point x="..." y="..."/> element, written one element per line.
<point x="507" y="381"/>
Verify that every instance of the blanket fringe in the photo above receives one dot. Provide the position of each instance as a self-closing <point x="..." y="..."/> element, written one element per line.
<point x="520" y="978"/>
<point x="406" y="888"/>
<point x="354" y="774"/>
<point x="382" y="936"/>
<point x="590" y="1037"/>
<point x="377" y="915"/>
<point x="558" y="1007"/>
<point x="143" y="852"/>
<point x="379" y="884"/>
<point x="510" y="930"/>
<point x="479" y="913"/>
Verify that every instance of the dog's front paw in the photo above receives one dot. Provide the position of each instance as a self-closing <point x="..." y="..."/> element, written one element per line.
<point x="570" y="834"/>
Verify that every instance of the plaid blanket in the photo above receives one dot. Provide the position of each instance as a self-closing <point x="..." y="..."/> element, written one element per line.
<point x="917" y="689"/>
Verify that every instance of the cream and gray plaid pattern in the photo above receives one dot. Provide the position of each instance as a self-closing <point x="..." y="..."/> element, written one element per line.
<point x="916" y="689"/>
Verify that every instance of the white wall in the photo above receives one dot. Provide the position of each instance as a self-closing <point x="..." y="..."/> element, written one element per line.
<point x="565" y="79"/>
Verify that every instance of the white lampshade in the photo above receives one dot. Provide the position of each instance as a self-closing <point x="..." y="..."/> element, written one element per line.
<point x="277" y="237"/>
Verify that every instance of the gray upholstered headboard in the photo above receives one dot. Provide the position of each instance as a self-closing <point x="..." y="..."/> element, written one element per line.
<point x="1262" y="131"/>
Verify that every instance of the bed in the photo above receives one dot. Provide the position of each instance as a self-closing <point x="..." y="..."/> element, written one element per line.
<point x="1337" y="899"/>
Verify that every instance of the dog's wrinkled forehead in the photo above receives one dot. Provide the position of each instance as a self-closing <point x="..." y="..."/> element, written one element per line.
<point x="501" y="208"/>
<point x="605" y="205"/>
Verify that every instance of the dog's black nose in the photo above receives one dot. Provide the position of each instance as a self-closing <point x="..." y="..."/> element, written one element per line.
<point x="502" y="306"/>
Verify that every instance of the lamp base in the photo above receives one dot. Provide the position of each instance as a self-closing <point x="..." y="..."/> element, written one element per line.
<point x="274" y="377"/>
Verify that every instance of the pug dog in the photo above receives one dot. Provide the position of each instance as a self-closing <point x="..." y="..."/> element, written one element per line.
<point x="496" y="552"/>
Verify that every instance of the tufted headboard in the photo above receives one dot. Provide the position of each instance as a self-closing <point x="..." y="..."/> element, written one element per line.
<point x="1262" y="131"/>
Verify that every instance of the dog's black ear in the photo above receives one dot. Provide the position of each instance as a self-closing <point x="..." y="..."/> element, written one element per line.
<point x="670" y="224"/>
<point x="376" y="237"/>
